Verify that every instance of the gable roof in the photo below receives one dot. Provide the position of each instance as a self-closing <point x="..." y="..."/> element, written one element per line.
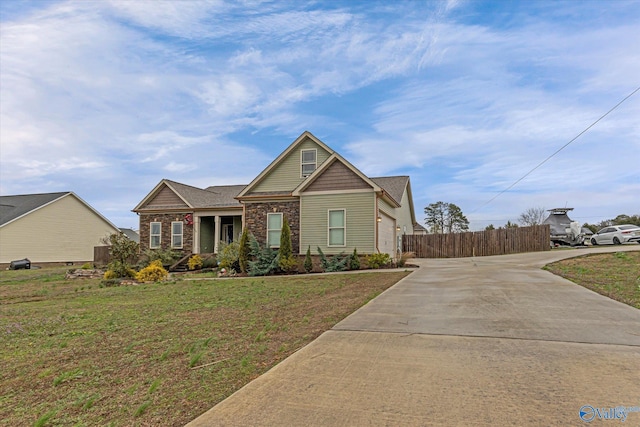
<point x="394" y="186"/>
<point x="335" y="157"/>
<point x="194" y="197"/>
<point x="299" y="140"/>
<point x="13" y="208"/>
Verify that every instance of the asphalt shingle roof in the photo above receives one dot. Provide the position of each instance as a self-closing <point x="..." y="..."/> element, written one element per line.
<point x="213" y="196"/>
<point x="12" y="207"/>
<point x="393" y="185"/>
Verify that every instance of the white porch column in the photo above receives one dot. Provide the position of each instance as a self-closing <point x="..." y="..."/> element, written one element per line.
<point x="216" y="234"/>
<point x="196" y="235"/>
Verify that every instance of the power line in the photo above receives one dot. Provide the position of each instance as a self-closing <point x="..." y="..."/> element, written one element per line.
<point x="557" y="151"/>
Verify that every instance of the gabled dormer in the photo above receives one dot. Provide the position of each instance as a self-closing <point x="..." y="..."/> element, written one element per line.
<point x="299" y="161"/>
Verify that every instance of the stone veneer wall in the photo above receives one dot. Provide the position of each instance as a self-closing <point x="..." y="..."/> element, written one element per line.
<point x="165" y="237"/>
<point x="256" y="219"/>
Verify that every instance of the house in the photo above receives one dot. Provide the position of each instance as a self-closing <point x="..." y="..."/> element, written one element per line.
<point x="327" y="201"/>
<point x="50" y="227"/>
<point x="189" y="219"/>
<point x="131" y="234"/>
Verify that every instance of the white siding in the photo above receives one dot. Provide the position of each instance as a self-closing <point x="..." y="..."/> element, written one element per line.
<point x="66" y="230"/>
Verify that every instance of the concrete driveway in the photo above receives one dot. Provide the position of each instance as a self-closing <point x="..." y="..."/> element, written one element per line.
<point x="490" y="341"/>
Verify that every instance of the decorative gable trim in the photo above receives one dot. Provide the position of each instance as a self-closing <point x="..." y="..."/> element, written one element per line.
<point x="305" y="135"/>
<point x="157" y="189"/>
<point x="335" y="157"/>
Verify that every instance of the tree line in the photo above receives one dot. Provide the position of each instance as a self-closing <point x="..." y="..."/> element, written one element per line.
<point x="443" y="217"/>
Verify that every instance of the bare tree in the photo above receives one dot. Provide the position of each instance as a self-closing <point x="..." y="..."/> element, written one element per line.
<point x="532" y="216"/>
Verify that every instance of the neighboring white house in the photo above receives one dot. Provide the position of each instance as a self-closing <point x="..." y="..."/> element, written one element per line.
<point x="50" y="227"/>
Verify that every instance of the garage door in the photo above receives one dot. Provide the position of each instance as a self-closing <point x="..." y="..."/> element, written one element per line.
<point x="387" y="235"/>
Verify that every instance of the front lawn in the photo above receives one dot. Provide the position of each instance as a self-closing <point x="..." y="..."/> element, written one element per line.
<point x="76" y="353"/>
<point x="615" y="275"/>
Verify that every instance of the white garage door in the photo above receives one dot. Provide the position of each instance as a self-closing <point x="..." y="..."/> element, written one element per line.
<point x="387" y="235"/>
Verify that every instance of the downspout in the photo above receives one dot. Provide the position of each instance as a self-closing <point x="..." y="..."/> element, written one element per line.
<point x="376" y="216"/>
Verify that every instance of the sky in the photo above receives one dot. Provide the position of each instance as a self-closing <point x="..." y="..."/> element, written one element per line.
<point x="107" y="98"/>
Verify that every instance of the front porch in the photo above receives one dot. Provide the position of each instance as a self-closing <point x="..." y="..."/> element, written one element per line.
<point x="211" y="228"/>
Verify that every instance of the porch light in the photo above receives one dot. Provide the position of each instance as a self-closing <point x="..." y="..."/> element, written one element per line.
<point x="379" y="219"/>
<point x="398" y="228"/>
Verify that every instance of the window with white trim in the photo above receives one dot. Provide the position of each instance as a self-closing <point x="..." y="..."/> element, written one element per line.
<point x="176" y="234"/>
<point x="155" y="231"/>
<point x="274" y="229"/>
<point x="308" y="162"/>
<point x="337" y="230"/>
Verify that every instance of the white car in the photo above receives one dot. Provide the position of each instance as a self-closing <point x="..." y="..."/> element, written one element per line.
<point x="617" y="234"/>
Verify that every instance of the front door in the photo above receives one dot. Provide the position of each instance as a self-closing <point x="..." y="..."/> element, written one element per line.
<point x="227" y="233"/>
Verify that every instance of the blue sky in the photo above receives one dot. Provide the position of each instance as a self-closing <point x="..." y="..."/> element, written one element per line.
<point x="106" y="98"/>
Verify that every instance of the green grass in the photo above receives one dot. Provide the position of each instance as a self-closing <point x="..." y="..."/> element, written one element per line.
<point x="615" y="275"/>
<point x="75" y="353"/>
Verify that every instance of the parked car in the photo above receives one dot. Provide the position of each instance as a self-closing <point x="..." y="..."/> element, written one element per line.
<point x="617" y="234"/>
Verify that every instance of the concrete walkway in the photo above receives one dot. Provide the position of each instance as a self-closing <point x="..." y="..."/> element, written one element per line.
<point x="490" y="341"/>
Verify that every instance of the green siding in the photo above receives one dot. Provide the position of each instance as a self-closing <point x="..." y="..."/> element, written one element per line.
<point x="286" y="175"/>
<point x="360" y="215"/>
<point x="386" y="208"/>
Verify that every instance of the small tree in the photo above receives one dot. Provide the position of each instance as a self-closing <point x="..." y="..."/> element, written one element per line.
<point x="308" y="263"/>
<point x="244" y="251"/>
<point x="354" y="262"/>
<point x="286" y="261"/>
<point x="122" y="251"/>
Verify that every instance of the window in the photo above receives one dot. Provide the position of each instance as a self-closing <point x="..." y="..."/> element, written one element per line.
<point x="176" y="234"/>
<point x="337" y="227"/>
<point x="154" y="235"/>
<point x="308" y="162"/>
<point x="274" y="229"/>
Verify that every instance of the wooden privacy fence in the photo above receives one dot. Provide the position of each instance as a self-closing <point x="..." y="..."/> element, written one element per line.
<point x="480" y="243"/>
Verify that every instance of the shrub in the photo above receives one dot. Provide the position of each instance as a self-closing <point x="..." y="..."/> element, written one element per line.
<point x="288" y="264"/>
<point x="265" y="259"/>
<point x="87" y="266"/>
<point x="109" y="274"/>
<point x="286" y="261"/>
<point x="228" y="256"/>
<point x="308" y="263"/>
<point x="244" y="251"/>
<point x="404" y="257"/>
<point x="165" y="256"/>
<point x="354" y="262"/>
<point x="154" y="272"/>
<point x="378" y="260"/>
<point x="121" y="251"/>
<point x="195" y="262"/>
<point x="210" y="262"/>
<point x="335" y="263"/>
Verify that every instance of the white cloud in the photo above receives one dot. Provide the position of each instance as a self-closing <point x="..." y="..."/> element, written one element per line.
<point x="94" y="93"/>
